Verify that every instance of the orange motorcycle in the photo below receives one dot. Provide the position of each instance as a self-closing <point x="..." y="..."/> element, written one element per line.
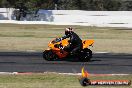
<point x="55" y="50"/>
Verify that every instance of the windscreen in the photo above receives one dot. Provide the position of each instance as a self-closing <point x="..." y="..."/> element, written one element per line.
<point x="56" y="40"/>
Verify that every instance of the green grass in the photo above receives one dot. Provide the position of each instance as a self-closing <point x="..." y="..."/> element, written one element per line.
<point x="51" y="80"/>
<point x="36" y="37"/>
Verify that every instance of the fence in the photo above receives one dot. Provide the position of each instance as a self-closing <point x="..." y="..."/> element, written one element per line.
<point x="75" y="17"/>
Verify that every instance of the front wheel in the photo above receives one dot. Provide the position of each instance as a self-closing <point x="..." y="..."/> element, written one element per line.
<point x="49" y="55"/>
<point x="85" y="55"/>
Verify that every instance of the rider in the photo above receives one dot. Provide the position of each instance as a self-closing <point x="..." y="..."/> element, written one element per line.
<point x="75" y="43"/>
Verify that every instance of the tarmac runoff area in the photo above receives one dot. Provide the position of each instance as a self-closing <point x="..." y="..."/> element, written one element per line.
<point x="32" y="62"/>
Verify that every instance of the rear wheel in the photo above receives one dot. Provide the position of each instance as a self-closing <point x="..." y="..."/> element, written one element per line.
<point x="49" y="55"/>
<point x="85" y="55"/>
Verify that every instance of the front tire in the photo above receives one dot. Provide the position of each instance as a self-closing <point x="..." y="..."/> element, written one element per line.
<point x="49" y="55"/>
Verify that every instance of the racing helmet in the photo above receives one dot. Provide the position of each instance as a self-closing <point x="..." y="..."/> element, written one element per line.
<point x="68" y="30"/>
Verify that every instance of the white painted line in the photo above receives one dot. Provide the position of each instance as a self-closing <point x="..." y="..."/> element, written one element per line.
<point x="94" y="74"/>
<point x="69" y="73"/>
<point x="76" y="74"/>
<point x="119" y="74"/>
<point x="101" y="52"/>
<point x="8" y="73"/>
<point x="31" y="51"/>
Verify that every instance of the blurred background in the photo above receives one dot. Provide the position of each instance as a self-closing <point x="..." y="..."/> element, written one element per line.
<point x="41" y="9"/>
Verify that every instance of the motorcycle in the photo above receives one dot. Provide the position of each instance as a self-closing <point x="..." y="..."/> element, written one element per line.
<point x="56" y="50"/>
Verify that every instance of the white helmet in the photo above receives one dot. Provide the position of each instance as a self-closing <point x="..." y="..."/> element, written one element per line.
<point x="68" y="30"/>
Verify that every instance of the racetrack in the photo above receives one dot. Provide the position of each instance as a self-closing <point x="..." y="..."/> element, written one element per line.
<point x="103" y="63"/>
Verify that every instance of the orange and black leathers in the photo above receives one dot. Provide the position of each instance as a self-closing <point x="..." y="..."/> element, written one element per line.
<point x="75" y="43"/>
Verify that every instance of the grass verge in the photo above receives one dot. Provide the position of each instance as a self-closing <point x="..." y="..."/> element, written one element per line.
<point x="18" y="37"/>
<point x="51" y="80"/>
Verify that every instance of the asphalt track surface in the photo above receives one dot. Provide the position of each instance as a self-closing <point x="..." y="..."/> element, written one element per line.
<point x="104" y="63"/>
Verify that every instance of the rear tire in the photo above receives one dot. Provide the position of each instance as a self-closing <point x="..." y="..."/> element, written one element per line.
<point x="49" y="55"/>
<point x="85" y="55"/>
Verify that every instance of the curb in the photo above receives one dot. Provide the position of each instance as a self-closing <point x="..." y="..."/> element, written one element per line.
<point x="30" y="73"/>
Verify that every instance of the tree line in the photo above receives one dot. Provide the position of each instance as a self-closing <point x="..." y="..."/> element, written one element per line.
<point x="90" y="5"/>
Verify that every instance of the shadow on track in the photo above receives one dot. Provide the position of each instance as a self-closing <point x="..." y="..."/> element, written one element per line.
<point x="73" y="59"/>
<point x="96" y="56"/>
